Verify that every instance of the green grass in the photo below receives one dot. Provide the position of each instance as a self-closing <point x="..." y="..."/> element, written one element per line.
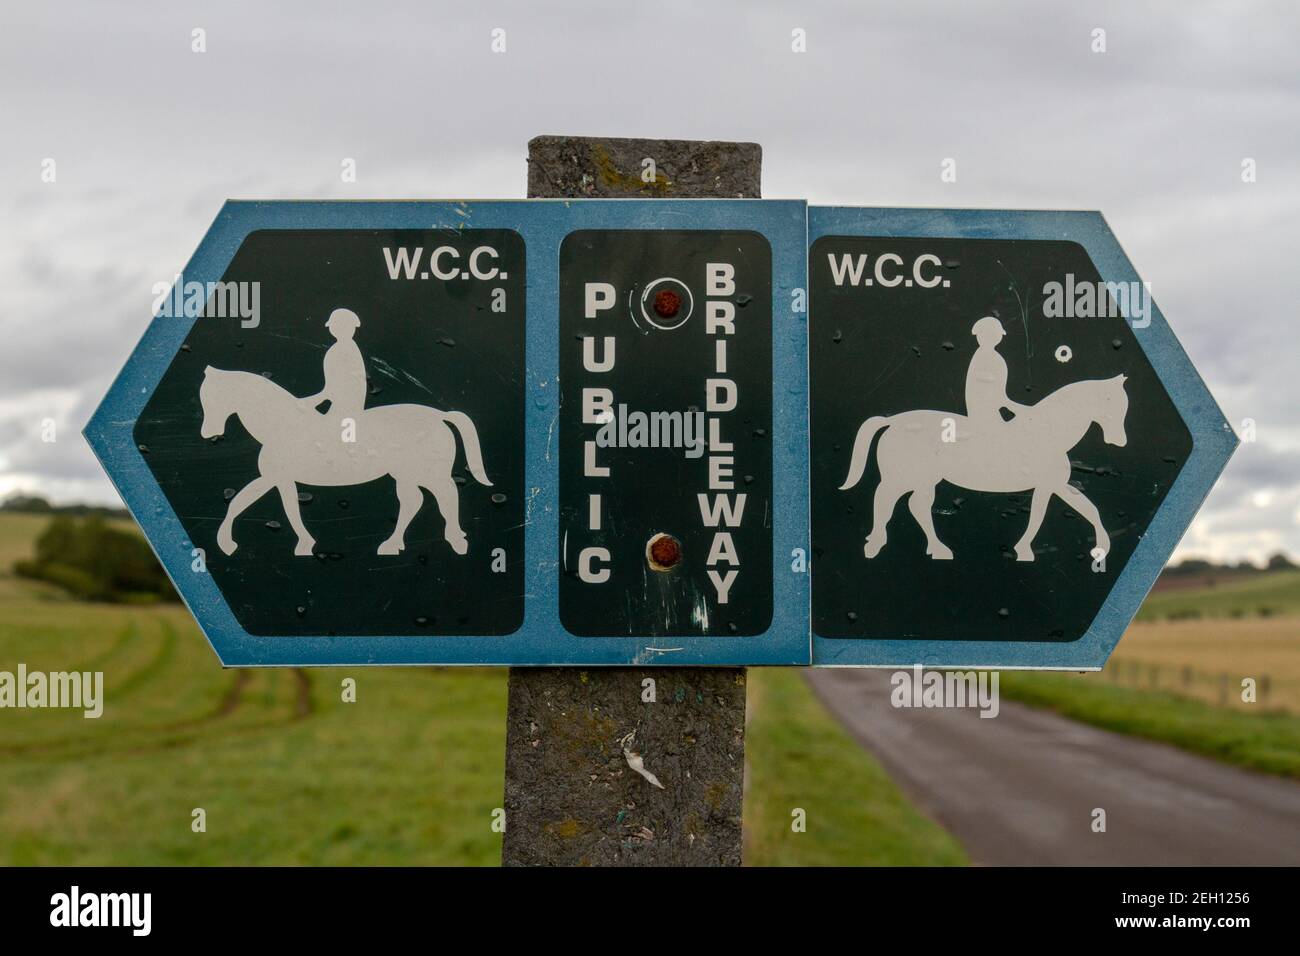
<point x="286" y="772"/>
<point x="798" y="756"/>
<point x="1270" y="594"/>
<point x="1265" y="741"/>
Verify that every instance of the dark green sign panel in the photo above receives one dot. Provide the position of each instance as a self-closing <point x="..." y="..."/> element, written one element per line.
<point x="990" y="439"/>
<point x="376" y="400"/>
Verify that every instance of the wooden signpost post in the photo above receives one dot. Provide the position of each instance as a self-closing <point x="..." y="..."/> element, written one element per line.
<point x="572" y="736"/>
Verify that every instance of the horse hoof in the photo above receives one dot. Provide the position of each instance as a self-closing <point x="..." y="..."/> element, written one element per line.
<point x="303" y="549"/>
<point x="390" y="547"/>
<point x="940" y="553"/>
<point x="227" y="544"/>
<point x="1025" y="555"/>
<point x="872" y="548"/>
<point x="459" y="545"/>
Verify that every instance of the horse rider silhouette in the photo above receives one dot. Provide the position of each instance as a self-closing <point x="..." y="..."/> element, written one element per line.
<point x="345" y="370"/>
<point x="414" y="444"/>
<point x="919" y="449"/>
<point x="986" y="378"/>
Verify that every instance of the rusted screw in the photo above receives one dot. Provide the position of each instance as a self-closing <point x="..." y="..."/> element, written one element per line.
<point x="663" y="552"/>
<point x="667" y="302"/>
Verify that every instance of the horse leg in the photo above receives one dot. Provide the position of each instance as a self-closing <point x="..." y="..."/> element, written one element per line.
<point x="247" y="495"/>
<point x="288" y="489"/>
<point x="448" y="498"/>
<point x="1077" y="500"/>
<point x="1037" y="509"/>
<point x="409" y="499"/>
<point x="921" y="504"/>
<point x="887" y="495"/>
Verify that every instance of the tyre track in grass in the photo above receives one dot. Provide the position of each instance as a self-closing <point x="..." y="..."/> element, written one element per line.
<point x="172" y="734"/>
<point x="151" y="668"/>
<point x="125" y="637"/>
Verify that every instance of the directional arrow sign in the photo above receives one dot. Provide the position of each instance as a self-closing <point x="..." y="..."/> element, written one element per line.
<point x="1007" y="441"/>
<point x="541" y="432"/>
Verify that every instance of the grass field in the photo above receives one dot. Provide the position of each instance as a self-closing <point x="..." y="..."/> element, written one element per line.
<point x="289" y="774"/>
<point x="1206" y="659"/>
<point x="1276" y="593"/>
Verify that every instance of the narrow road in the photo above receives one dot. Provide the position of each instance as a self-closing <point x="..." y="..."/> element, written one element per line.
<point x="1019" y="789"/>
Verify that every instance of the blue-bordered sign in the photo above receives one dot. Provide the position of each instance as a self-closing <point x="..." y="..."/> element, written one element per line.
<point x="1007" y="441"/>
<point x="542" y="432"/>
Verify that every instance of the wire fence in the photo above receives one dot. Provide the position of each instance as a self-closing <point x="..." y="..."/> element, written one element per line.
<point x="1216" y="687"/>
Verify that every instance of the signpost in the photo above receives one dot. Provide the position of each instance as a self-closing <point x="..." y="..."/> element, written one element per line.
<point x="575" y="433"/>
<point x="1009" y="377"/>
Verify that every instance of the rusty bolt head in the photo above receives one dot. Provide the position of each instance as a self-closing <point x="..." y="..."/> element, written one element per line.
<point x="667" y="302"/>
<point x="663" y="552"/>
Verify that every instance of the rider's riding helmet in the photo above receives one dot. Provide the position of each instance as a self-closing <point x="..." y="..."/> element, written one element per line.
<point x="342" y="320"/>
<point x="988" y="329"/>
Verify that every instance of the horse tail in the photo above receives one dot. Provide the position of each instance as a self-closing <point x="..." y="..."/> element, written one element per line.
<point x="469" y="437"/>
<point x="862" y="448"/>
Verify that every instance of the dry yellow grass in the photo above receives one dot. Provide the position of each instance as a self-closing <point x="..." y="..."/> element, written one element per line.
<point x="1207" y="659"/>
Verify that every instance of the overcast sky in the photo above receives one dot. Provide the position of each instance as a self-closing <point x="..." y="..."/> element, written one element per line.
<point x="149" y="138"/>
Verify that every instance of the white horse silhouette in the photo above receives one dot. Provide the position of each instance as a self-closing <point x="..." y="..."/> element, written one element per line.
<point x="921" y="448"/>
<point x="412" y="443"/>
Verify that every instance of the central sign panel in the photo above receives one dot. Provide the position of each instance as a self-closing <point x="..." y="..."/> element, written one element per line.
<point x="539" y="432"/>
<point x="666" y="473"/>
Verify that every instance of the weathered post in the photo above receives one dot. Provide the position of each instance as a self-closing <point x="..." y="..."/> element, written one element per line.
<point x="572" y="794"/>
